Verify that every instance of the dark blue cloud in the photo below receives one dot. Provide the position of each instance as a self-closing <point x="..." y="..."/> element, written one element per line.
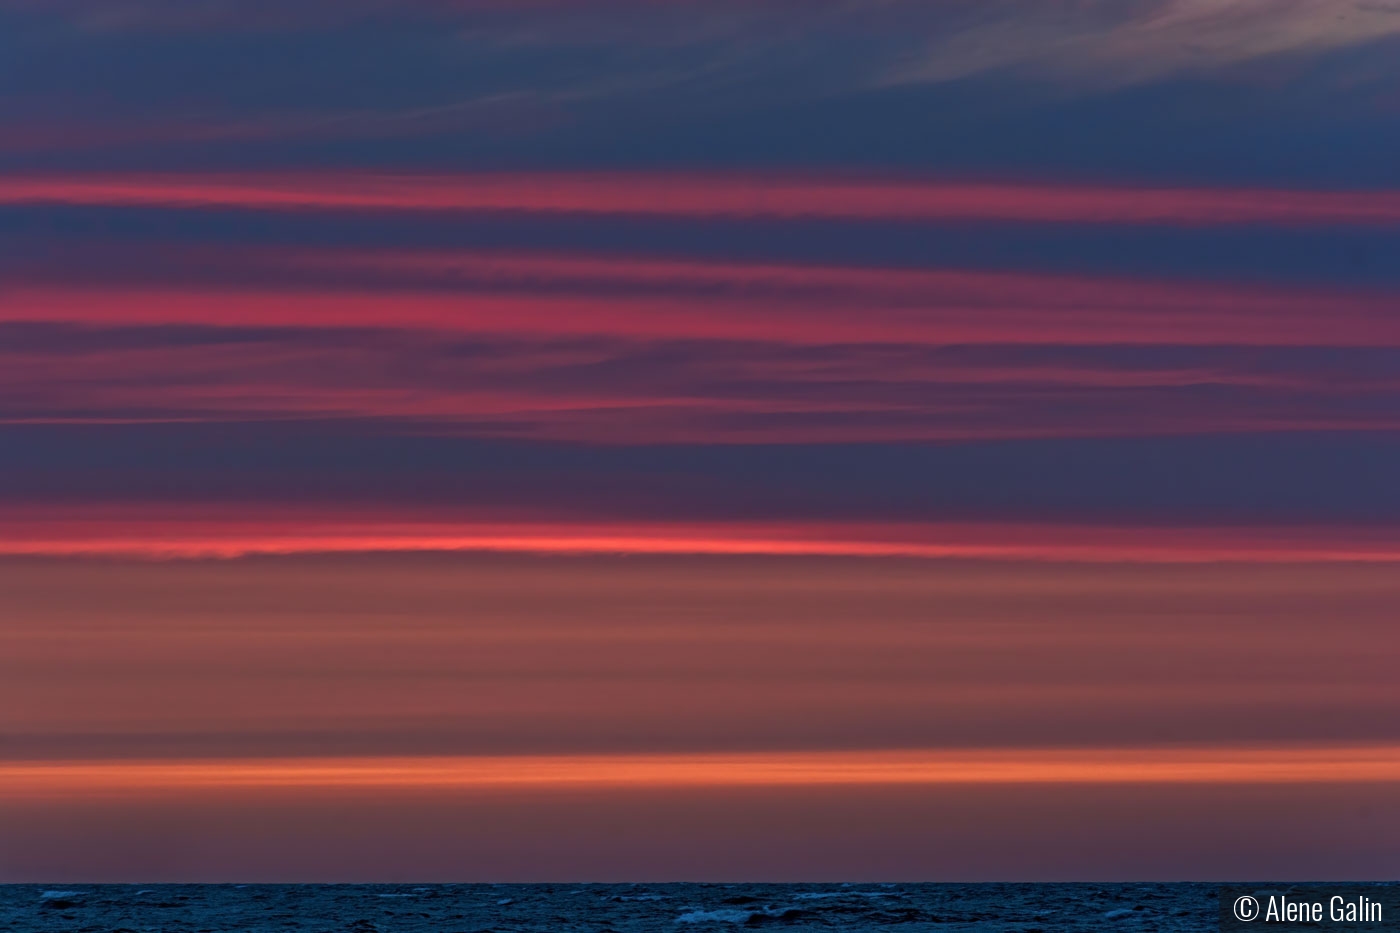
<point x="1301" y="477"/>
<point x="36" y="241"/>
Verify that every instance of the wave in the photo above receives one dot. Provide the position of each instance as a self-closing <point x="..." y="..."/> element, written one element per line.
<point x="746" y="917"/>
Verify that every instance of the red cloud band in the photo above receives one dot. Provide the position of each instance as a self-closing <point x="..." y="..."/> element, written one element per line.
<point x="156" y="532"/>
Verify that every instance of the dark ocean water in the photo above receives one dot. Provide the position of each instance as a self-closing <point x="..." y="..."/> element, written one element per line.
<point x="677" y="908"/>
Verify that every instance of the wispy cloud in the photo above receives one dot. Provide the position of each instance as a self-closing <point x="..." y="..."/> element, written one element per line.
<point x="712" y="195"/>
<point x="1111" y="43"/>
<point x="623" y="349"/>
<point x="1107" y="41"/>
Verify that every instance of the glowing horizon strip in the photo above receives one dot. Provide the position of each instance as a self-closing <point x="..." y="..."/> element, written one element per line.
<point x="1263" y="765"/>
<point x="708" y="195"/>
<point x="156" y="540"/>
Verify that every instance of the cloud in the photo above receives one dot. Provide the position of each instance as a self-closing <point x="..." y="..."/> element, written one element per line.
<point x="681" y="82"/>
<point x="561" y="296"/>
<point x="1110" y="42"/>
<point x="1113" y="43"/>
<point x="620" y="350"/>
<point x="153" y="531"/>
<point x="780" y="196"/>
<point x="1287" y="764"/>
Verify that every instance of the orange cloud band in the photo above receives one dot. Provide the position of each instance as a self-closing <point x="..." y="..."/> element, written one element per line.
<point x="1263" y="765"/>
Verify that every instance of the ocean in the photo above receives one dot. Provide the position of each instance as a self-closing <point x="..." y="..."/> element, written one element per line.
<point x="676" y="908"/>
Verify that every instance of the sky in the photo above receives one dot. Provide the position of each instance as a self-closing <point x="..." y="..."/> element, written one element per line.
<point x="699" y="440"/>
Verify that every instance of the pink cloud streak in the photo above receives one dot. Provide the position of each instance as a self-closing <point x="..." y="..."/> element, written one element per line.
<point x="713" y="196"/>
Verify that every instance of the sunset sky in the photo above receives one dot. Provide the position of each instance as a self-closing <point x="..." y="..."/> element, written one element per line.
<point x="699" y="439"/>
